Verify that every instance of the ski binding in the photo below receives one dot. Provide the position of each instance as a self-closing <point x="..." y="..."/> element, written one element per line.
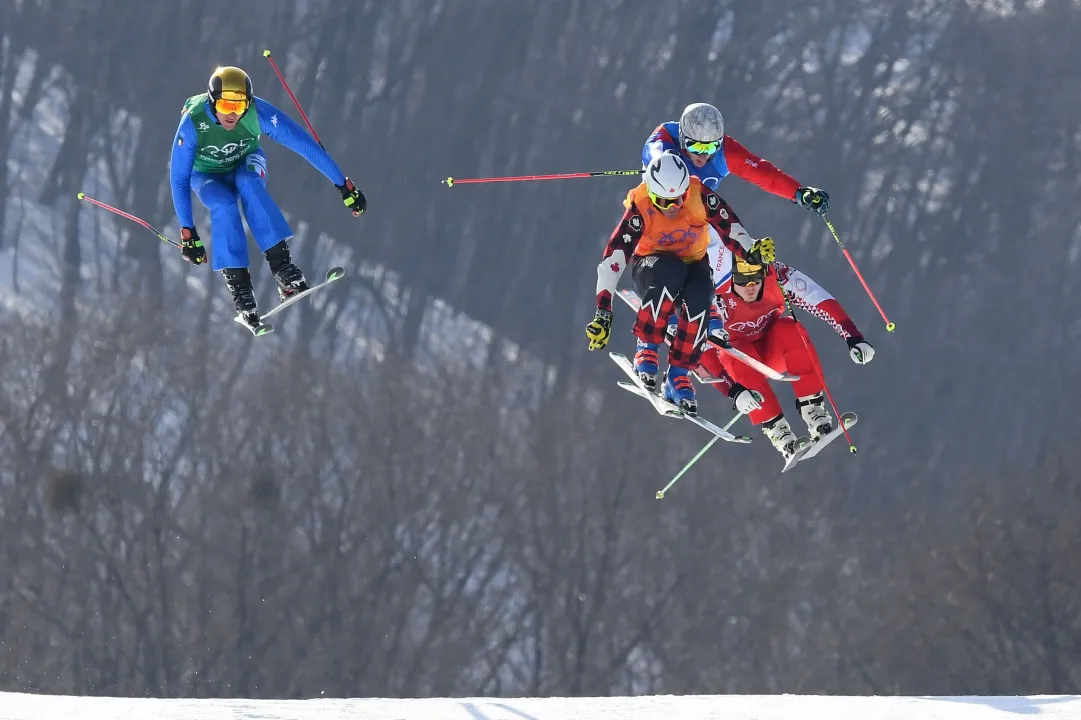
<point x="265" y="328"/>
<point x="807" y="448"/>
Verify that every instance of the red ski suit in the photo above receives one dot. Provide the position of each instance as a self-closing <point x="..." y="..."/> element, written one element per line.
<point x="758" y="329"/>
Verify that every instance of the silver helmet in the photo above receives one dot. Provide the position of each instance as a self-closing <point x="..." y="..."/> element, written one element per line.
<point x="700" y="122"/>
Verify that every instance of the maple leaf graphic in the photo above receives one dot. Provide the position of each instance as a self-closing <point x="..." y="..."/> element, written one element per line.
<point x="614" y="266"/>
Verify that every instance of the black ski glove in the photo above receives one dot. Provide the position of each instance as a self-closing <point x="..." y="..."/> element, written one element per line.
<point x="815" y="200"/>
<point x="354" y="199"/>
<point x="191" y="247"/>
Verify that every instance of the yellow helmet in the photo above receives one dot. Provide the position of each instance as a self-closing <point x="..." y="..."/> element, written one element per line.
<point x="745" y="272"/>
<point x="230" y="86"/>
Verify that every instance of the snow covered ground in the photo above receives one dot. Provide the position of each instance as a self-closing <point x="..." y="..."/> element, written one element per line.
<point x="702" y="707"/>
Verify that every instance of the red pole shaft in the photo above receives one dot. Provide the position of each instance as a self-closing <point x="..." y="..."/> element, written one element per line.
<point x="129" y="216"/>
<point x="890" y="327"/>
<point x="451" y="182"/>
<point x="565" y="176"/>
<point x="863" y="282"/>
<point x="118" y="211"/>
<point x="266" y="54"/>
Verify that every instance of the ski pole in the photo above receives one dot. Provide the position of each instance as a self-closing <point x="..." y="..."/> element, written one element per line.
<point x="890" y="327"/>
<point x="451" y="182"/>
<point x="123" y="214"/>
<point x="660" y="493"/>
<point x="818" y="368"/>
<point x="278" y="72"/>
<point x="266" y="54"/>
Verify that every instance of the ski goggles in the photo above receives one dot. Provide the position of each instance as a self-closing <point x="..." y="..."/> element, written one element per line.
<point x="668" y="203"/>
<point x="696" y="147"/>
<point x="237" y="103"/>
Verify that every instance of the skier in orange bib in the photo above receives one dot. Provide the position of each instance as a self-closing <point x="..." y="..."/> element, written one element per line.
<point x="664" y="235"/>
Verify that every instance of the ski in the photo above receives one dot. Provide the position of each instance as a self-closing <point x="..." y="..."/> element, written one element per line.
<point x="335" y="273"/>
<point x="261" y="329"/>
<point x="631" y="298"/>
<point x="754" y="363"/>
<point x="265" y="328"/>
<point x="807" y="448"/>
<point x="663" y="406"/>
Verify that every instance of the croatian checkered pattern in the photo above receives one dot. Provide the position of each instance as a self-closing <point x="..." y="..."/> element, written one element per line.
<point x="806" y="294"/>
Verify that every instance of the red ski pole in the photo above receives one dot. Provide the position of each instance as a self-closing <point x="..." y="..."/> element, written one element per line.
<point x="451" y="182"/>
<point x="890" y="327"/>
<point x="278" y="72"/>
<point x="121" y="213"/>
<point x="266" y="54"/>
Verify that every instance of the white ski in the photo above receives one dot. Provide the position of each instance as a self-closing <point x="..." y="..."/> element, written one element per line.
<point x="265" y="328"/>
<point x="664" y="407"/>
<point x="261" y="329"/>
<point x="631" y="298"/>
<point x="335" y="273"/>
<point x="809" y="448"/>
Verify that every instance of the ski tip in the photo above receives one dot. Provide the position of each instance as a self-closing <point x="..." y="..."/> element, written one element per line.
<point x="335" y="273"/>
<point x="261" y="329"/>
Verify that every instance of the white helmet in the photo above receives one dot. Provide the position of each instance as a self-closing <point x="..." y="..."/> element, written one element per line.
<point x="700" y="122"/>
<point x="667" y="176"/>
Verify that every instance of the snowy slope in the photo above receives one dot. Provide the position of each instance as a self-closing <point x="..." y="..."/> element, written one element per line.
<point x="705" y="707"/>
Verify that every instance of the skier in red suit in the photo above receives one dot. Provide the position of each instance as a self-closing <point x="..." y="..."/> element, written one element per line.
<point x="751" y="305"/>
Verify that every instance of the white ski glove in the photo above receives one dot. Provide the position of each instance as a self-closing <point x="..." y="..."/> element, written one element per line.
<point x="861" y="351"/>
<point x="748" y="401"/>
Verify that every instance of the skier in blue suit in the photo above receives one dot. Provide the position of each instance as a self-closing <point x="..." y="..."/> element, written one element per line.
<point x="216" y="153"/>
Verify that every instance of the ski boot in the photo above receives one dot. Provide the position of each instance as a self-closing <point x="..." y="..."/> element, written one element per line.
<point x="679" y="390"/>
<point x="288" y="276"/>
<point x="239" y="282"/>
<point x="814" y="412"/>
<point x="781" y="436"/>
<point x="645" y="364"/>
